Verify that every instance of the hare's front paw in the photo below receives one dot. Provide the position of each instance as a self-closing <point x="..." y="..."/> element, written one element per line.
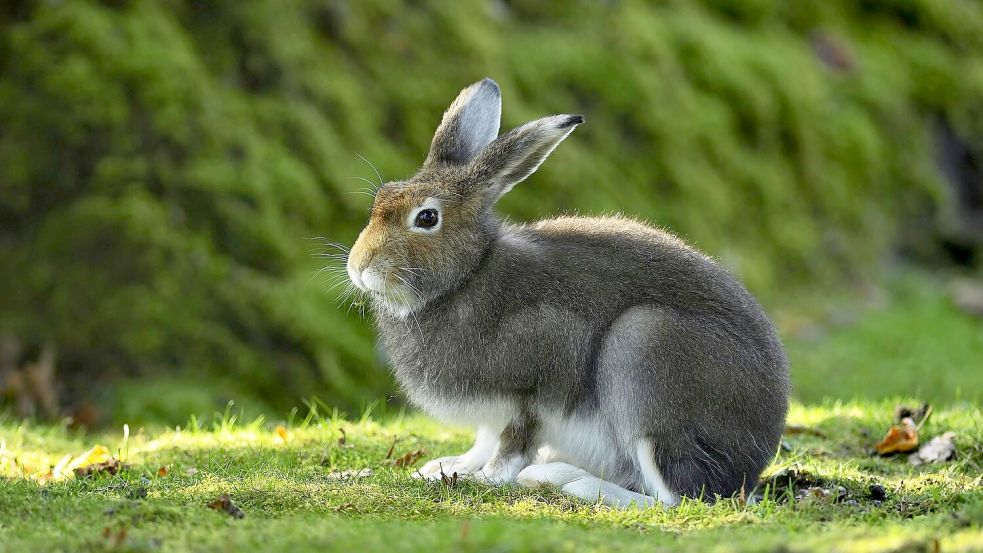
<point x="460" y="464"/>
<point x="500" y="470"/>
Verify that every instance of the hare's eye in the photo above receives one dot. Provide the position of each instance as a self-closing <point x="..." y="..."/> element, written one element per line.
<point x="427" y="219"/>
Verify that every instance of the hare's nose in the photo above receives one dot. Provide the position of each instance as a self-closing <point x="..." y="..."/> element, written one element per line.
<point x="358" y="260"/>
<point x="364" y="274"/>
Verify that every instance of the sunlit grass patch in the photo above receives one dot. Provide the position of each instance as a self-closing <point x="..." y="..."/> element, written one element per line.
<point x="288" y="483"/>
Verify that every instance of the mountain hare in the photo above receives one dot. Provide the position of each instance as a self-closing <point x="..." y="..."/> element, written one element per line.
<point x="599" y="355"/>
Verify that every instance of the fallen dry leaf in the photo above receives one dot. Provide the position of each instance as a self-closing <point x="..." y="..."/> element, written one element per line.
<point x="282" y="432"/>
<point x="409" y="458"/>
<point x="96" y="454"/>
<point x="224" y="503"/>
<point x="162" y="471"/>
<point x="117" y="539"/>
<point x="449" y="481"/>
<point x="112" y="466"/>
<point x="938" y="450"/>
<point x="350" y="474"/>
<point x="900" y="438"/>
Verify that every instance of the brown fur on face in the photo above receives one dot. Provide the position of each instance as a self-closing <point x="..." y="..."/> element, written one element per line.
<point x="387" y="225"/>
<point x="412" y="262"/>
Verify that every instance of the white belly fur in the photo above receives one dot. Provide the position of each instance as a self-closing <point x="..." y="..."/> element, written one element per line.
<point x="493" y="413"/>
<point x="580" y="441"/>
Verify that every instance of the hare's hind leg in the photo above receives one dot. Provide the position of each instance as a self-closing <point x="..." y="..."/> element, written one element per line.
<point x="579" y="483"/>
<point x="485" y="442"/>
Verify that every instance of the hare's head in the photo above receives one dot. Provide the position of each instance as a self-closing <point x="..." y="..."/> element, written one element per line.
<point x="428" y="233"/>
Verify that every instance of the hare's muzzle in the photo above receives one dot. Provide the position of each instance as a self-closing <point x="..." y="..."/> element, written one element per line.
<point x="360" y="266"/>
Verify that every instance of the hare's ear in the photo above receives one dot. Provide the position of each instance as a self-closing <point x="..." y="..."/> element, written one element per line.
<point x="469" y="125"/>
<point x="518" y="153"/>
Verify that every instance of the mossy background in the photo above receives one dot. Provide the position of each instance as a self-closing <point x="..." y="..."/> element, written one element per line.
<point x="166" y="166"/>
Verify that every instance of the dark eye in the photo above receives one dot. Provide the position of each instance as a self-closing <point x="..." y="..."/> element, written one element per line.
<point x="427" y="218"/>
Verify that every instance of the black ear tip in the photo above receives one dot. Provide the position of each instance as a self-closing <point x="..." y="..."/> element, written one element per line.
<point x="573" y="120"/>
<point x="489" y="84"/>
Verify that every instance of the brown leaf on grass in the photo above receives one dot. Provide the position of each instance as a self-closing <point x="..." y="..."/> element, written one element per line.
<point x="224" y="503"/>
<point x="120" y="538"/>
<point x="112" y="466"/>
<point x="938" y="450"/>
<point x="117" y="539"/>
<point x="901" y="438"/>
<point x="409" y="458"/>
<point x="449" y="481"/>
<point x="282" y="432"/>
<point x="162" y="471"/>
<point x="794" y="429"/>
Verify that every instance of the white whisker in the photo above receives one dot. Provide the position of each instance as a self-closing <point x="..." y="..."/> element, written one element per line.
<point x="381" y="182"/>
<point x="374" y="188"/>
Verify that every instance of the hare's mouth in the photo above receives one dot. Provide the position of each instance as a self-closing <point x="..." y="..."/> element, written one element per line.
<point x="388" y="290"/>
<point x="396" y="299"/>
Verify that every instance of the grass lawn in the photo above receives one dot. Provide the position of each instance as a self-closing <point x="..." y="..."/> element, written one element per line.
<point x="287" y="483"/>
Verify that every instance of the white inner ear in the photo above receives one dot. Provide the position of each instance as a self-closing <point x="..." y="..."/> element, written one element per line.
<point x="429" y="203"/>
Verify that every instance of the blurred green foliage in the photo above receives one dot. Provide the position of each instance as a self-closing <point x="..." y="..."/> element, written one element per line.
<point x="163" y="165"/>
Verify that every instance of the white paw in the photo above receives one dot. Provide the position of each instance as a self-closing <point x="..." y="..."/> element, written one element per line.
<point x="556" y="474"/>
<point x="433" y="470"/>
<point x="500" y="470"/>
<point x="493" y="478"/>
